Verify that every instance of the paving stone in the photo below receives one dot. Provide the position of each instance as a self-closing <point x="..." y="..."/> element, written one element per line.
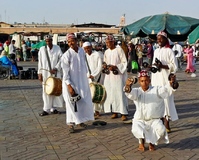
<point x="24" y="135"/>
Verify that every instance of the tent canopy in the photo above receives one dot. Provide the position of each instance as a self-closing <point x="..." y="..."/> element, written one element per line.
<point x="193" y="37"/>
<point x="177" y="27"/>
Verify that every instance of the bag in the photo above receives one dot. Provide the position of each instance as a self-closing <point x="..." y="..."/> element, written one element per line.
<point x="176" y="52"/>
<point x="134" y="65"/>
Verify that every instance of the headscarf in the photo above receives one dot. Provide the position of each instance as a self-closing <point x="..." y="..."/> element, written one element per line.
<point x="3" y="53"/>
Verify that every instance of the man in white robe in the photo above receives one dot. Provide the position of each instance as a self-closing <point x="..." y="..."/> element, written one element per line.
<point x="147" y="125"/>
<point x="75" y="84"/>
<point x="51" y="102"/>
<point x="116" y="101"/>
<point x="94" y="64"/>
<point x="168" y="65"/>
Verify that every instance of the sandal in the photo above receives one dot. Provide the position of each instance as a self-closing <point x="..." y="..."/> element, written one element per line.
<point x="168" y="130"/>
<point x="44" y="113"/>
<point x="83" y="125"/>
<point x="56" y="112"/>
<point x="98" y="123"/>
<point x="71" y="129"/>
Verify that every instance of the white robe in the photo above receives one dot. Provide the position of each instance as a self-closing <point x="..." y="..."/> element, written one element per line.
<point x="167" y="57"/>
<point x="55" y="55"/>
<point x="95" y="64"/>
<point x="102" y="74"/>
<point x="75" y="74"/>
<point x="149" y="109"/>
<point x="115" y="101"/>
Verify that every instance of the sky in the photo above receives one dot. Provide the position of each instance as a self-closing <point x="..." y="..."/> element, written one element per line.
<point x="91" y="11"/>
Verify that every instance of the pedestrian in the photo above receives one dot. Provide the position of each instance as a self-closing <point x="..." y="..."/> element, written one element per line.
<point x="114" y="80"/>
<point x="12" y="50"/>
<point x="94" y="64"/>
<point x="150" y="52"/>
<point x="177" y="49"/>
<point x="33" y="52"/>
<point x="24" y="50"/>
<point x="132" y="57"/>
<point x="76" y="90"/>
<point x="167" y="64"/>
<point x="6" y="47"/>
<point x="1" y="47"/>
<point x="147" y="125"/>
<point x="140" y="55"/>
<point x="49" y="65"/>
<point x="190" y="67"/>
<point x="28" y="44"/>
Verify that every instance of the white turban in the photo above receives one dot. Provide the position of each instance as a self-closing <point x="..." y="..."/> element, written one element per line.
<point x="85" y="44"/>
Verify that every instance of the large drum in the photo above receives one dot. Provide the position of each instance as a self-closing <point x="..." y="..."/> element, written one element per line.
<point x="53" y="86"/>
<point x="98" y="92"/>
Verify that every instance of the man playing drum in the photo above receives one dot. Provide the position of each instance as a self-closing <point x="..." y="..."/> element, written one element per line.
<point x="76" y="90"/>
<point x="94" y="64"/>
<point x="52" y="54"/>
<point x="114" y="81"/>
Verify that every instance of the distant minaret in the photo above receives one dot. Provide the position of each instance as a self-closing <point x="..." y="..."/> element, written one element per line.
<point x="122" y="21"/>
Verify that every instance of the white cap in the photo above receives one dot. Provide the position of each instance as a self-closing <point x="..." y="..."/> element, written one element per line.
<point x="85" y="44"/>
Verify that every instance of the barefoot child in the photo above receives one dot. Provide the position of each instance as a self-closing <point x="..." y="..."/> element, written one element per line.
<point x="147" y="125"/>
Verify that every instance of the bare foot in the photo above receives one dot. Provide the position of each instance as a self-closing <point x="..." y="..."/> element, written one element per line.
<point x="151" y="147"/>
<point x="141" y="147"/>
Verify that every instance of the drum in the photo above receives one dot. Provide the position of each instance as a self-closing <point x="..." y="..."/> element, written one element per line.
<point x="98" y="92"/>
<point x="53" y="86"/>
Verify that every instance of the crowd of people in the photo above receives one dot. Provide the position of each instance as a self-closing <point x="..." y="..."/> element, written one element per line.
<point x="84" y="65"/>
<point x="25" y="52"/>
<point x="10" y="55"/>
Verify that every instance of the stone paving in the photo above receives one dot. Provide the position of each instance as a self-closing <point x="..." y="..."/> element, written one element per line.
<point x="24" y="135"/>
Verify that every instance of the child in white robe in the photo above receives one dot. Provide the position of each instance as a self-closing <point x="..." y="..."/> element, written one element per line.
<point x="147" y="125"/>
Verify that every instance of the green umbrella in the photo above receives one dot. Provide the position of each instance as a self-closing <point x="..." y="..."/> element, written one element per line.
<point x="193" y="36"/>
<point x="39" y="45"/>
<point x="177" y="27"/>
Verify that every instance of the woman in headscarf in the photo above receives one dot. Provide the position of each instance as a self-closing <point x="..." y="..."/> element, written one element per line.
<point x="189" y="52"/>
<point x="7" y="63"/>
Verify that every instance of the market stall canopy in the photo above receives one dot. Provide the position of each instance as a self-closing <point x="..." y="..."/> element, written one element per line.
<point x="193" y="37"/>
<point x="177" y="27"/>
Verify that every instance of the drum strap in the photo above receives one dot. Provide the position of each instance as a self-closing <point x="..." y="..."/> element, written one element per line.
<point x="99" y="78"/>
<point x="75" y="107"/>
<point x="48" y="59"/>
<point x="88" y="65"/>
